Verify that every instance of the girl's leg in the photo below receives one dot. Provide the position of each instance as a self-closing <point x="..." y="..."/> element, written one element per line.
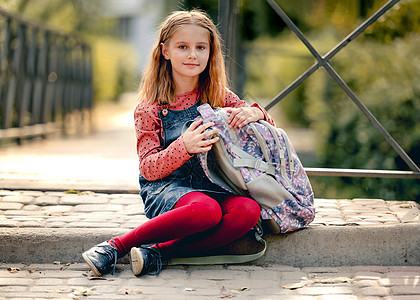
<point x="194" y="212"/>
<point x="240" y="214"/>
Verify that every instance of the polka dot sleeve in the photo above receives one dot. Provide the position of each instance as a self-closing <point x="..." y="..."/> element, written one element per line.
<point x="154" y="161"/>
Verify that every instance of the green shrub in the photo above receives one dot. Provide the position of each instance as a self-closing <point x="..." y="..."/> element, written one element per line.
<point x="114" y="65"/>
<point x="385" y="77"/>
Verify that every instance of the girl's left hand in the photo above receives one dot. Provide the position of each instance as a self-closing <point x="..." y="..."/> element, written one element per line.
<point x="241" y="116"/>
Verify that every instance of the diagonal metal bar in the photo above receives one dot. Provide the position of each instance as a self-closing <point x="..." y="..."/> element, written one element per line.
<point x="294" y="28"/>
<point x="372" y="118"/>
<point x="329" y="55"/>
<point x="324" y="61"/>
<point x="293" y="85"/>
<point x="360" y="29"/>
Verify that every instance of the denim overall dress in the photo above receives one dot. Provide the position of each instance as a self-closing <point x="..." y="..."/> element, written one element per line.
<point x="161" y="195"/>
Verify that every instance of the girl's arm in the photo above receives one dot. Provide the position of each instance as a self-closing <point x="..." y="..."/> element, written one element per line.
<point x="154" y="161"/>
<point x="248" y="113"/>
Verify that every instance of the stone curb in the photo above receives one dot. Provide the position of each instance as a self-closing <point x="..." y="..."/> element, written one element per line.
<point x="396" y="245"/>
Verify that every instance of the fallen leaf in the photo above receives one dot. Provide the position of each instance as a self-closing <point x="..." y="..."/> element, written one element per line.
<point x="294" y="286"/>
<point x="189" y="290"/>
<point x="224" y="293"/>
<point x="84" y="292"/>
<point x="72" y="192"/>
<point x="333" y="280"/>
<point x="57" y="263"/>
<point x="244" y="288"/>
<point x="129" y="292"/>
<point x="13" y="270"/>
<point x="99" y="278"/>
<point x="65" y="267"/>
<point x="31" y="271"/>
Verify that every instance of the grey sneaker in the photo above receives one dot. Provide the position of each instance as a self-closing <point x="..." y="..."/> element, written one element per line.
<point x="102" y="258"/>
<point x="145" y="260"/>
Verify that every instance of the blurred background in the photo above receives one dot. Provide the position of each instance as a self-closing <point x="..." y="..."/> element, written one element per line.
<point x="382" y="67"/>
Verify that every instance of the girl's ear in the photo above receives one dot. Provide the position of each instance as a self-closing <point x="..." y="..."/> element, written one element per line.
<point x="164" y="50"/>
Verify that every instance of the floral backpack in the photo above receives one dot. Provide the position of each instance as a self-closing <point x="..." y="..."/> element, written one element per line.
<point x="259" y="161"/>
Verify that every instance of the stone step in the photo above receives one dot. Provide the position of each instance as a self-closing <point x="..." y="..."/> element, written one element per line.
<point x="43" y="227"/>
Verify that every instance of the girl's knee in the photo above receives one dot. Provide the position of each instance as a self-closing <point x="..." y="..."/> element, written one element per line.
<point x="204" y="210"/>
<point x="246" y="210"/>
<point x="253" y="210"/>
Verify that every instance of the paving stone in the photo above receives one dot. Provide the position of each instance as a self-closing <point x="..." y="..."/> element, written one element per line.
<point x="367" y="283"/>
<point x="8" y="193"/>
<point x="31" y="193"/>
<point x="404" y="274"/>
<point x="94" y="207"/>
<point x="12" y="288"/>
<point x="399" y="281"/>
<point x="50" y="281"/>
<point x="126" y="201"/>
<point x="267" y="275"/>
<point x="56" y="209"/>
<point x="92" y="225"/>
<point x="47" y="200"/>
<point x="15" y="281"/>
<point x="31" y="207"/>
<point x="10" y="205"/>
<point x="322" y="290"/>
<point x="18" y="199"/>
<point x="21" y="213"/>
<point x="56" y="224"/>
<point x="217" y="274"/>
<point x="377" y="291"/>
<point x="83" y="199"/>
<point x="406" y="290"/>
<point x="33" y="295"/>
<point x="31" y="224"/>
<point x="402" y="297"/>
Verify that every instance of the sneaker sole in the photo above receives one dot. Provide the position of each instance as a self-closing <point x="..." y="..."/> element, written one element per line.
<point x="136" y="261"/>
<point x="91" y="265"/>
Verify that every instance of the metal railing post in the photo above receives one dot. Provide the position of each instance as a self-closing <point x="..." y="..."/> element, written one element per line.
<point x="42" y="79"/>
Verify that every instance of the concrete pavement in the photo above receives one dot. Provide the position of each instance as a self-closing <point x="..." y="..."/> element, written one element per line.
<point x="73" y="281"/>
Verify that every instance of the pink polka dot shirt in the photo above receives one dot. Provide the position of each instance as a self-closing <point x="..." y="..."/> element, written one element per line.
<point x="156" y="162"/>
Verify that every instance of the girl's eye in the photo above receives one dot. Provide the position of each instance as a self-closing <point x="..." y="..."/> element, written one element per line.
<point x="182" y="47"/>
<point x="201" y="47"/>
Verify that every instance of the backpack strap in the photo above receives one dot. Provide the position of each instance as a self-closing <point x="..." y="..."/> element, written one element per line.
<point x="245" y="159"/>
<point x="273" y="131"/>
<point x="249" y="161"/>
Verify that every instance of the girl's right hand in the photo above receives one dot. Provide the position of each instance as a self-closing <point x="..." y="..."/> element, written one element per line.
<point x="198" y="139"/>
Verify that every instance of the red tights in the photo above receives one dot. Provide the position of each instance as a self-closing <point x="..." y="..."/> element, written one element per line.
<point x="196" y="224"/>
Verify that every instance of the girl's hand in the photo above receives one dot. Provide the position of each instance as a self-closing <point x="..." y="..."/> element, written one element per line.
<point x="241" y="116"/>
<point x="197" y="139"/>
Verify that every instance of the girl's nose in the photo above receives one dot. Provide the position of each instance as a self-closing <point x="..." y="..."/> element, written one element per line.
<point x="192" y="54"/>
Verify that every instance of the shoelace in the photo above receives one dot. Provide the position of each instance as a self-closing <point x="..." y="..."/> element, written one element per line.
<point x="155" y="253"/>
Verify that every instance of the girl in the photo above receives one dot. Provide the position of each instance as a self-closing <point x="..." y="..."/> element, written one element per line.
<point x="188" y="214"/>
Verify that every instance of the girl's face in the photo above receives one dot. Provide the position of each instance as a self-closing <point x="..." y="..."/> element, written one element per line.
<point x="188" y="50"/>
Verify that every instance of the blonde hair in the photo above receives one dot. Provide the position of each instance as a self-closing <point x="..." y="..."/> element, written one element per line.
<point x="157" y="84"/>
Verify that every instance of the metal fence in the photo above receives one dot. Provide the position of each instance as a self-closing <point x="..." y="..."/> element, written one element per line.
<point x="226" y="11"/>
<point x="45" y="80"/>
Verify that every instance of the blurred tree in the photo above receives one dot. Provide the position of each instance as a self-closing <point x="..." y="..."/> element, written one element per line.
<point x="383" y="69"/>
<point x="113" y="59"/>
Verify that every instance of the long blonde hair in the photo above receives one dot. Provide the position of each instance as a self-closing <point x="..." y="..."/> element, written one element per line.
<point x="157" y="84"/>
